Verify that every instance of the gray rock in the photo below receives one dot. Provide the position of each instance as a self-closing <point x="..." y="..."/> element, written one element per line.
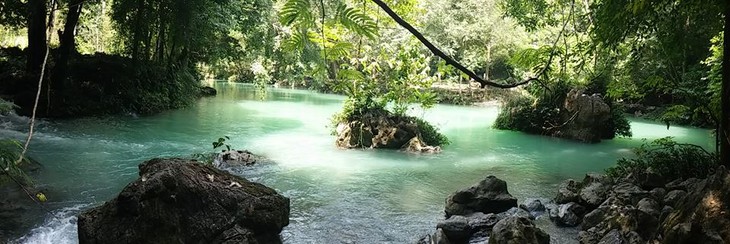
<point x="593" y="218"/>
<point x="569" y="214"/>
<point x="456" y="228"/>
<point x="517" y="230"/>
<point x="595" y="178"/>
<point x="665" y="213"/>
<point x="593" y="194"/>
<point x="488" y="196"/>
<point x="658" y="194"/>
<point x="685" y="185"/>
<point x="648" y="179"/>
<point x="567" y="192"/>
<point x="589" y="236"/>
<point x="518" y="212"/>
<point x="649" y="206"/>
<point x="703" y="216"/>
<point x="481" y="222"/>
<point x="613" y="237"/>
<point x="234" y="158"/>
<point x="180" y="201"/>
<point x="673" y="197"/>
<point x="630" y="193"/>
<point x="533" y="205"/>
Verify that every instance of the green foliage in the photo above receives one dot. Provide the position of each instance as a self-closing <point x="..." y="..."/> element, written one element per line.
<point x="660" y="50"/>
<point x="545" y="114"/>
<point x="430" y="134"/>
<point x="618" y="125"/>
<point x="10" y="151"/>
<point x="527" y="114"/>
<point x="221" y="142"/>
<point x="668" y="158"/>
<point x="357" y="21"/>
<point x="6" y="107"/>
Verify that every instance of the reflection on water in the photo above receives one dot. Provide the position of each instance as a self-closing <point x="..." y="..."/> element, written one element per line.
<point x="338" y="196"/>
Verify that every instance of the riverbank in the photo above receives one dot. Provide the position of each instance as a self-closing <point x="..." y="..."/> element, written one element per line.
<point x="368" y="196"/>
<point x="98" y="84"/>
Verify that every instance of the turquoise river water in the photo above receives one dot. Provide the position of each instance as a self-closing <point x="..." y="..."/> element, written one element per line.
<point x="337" y="196"/>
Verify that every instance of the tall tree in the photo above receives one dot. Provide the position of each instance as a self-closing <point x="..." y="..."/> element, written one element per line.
<point x="67" y="43"/>
<point x="36" y="35"/>
<point x="724" y="133"/>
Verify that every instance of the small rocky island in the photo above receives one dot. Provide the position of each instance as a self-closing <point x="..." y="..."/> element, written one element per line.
<point x="383" y="129"/>
<point x="182" y="201"/>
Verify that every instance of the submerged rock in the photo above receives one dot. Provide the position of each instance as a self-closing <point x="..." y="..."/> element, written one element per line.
<point x="208" y="91"/>
<point x="416" y="146"/>
<point x="177" y="201"/>
<point x="488" y="196"/>
<point x="236" y="158"/>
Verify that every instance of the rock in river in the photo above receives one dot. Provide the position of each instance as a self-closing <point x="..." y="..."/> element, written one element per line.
<point x="177" y="201"/>
<point x="488" y="196"/>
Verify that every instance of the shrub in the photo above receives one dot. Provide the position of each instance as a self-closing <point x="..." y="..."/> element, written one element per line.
<point x="10" y="151"/>
<point x="430" y="134"/>
<point x="668" y="158"/>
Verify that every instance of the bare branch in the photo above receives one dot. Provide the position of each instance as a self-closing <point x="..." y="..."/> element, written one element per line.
<point x="436" y="51"/>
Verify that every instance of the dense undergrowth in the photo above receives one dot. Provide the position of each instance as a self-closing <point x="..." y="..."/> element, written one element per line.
<point x="101" y="84"/>
<point x="543" y="113"/>
<point x="667" y="158"/>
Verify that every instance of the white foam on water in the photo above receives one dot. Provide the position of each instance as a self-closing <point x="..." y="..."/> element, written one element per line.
<point x="60" y="230"/>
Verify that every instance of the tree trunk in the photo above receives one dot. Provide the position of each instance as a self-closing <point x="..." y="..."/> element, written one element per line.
<point x="137" y="36"/>
<point x="489" y="60"/>
<point x="36" y="36"/>
<point x="724" y="132"/>
<point x="67" y="44"/>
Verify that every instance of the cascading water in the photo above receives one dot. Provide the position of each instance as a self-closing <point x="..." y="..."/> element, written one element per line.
<point x="337" y="196"/>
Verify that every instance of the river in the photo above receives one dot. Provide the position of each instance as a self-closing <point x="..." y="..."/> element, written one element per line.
<point x="337" y="196"/>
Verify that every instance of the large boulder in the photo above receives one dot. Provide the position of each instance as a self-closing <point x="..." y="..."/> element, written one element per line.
<point x="177" y="201"/>
<point x="513" y="230"/>
<point x="703" y="216"/>
<point x="488" y="196"/>
<point x="585" y="116"/>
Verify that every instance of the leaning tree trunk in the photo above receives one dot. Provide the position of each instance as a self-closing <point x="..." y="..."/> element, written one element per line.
<point x="68" y="44"/>
<point x="36" y="36"/>
<point x="724" y="132"/>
